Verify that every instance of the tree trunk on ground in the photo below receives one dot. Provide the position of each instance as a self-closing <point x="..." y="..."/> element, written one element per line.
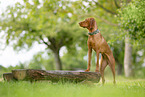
<point x="57" y="60"/>
<point x="54" y="76"/>
<point x="8" y="76"/>
<point x="128" y="68"/>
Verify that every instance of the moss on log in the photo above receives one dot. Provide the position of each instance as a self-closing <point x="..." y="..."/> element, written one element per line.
<point x="55" y="76"/>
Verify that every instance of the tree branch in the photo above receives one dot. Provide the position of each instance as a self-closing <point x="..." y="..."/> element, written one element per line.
<point x="44" y="42"/>
<point x="60" y="44"/>
<point x="118" y="6"/>
<point x="54" y="45"/>
<point x="127" y="1"/>
<point x="51" y="46"/>
<point x="106" y="21"/>
<point x="107" y="10"/>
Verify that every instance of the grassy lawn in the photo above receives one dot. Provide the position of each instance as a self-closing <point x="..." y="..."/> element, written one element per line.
<point x="123" y="88"/>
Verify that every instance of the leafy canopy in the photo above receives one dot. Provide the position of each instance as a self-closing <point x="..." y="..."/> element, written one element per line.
<point x="133" y="19"/>
<point x="47" y="21"/>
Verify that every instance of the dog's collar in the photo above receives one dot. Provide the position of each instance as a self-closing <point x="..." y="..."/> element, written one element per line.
<point x="95" y="32"/>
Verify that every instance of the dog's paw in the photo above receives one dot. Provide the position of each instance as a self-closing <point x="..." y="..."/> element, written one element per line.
<point x="87" y="70"/>
<point x="96" y="70"/>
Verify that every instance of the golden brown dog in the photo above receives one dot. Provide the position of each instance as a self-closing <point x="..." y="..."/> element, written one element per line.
<point x="99" y="45"/>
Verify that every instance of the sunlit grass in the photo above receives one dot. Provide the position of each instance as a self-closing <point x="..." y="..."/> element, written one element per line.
<point x="123" y="88"/>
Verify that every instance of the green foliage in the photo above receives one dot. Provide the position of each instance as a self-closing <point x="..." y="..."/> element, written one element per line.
<point x="129" y="88"/>
<point x="132" y="19"/>
<point x="75" y="61"/>
<point x="42" y="60"/>
<point x="25" y="24"/>
<point x="47" y="22"/>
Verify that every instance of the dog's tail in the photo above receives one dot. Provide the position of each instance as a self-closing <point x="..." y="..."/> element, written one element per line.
<point x="111" y="62"/>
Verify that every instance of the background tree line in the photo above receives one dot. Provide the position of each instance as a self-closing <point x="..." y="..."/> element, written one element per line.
<point x="54" y="23"/>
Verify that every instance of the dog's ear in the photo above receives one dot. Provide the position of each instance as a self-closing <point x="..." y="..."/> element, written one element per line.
<point x="92" y="23"/>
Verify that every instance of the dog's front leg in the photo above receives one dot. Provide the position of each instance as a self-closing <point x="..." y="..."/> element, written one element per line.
<point x="97" y="63"/>
<point x="89" y="58"/>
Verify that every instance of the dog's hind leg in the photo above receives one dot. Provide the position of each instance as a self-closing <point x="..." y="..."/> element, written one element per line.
<point x="102" y="68"/>
<point x="112" y="66"/>
<point x="113" y="72"/>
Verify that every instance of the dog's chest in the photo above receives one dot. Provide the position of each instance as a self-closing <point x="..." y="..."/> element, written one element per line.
<point x="93" y="42"/>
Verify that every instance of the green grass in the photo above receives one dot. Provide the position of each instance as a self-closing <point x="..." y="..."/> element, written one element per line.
<point x="123" y="88"/>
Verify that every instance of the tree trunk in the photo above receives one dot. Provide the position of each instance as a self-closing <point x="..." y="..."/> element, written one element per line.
<point x="57" y="60"/>
<point x="119" y="69"/>
<point x="128" y="58"/>
<point x="55" y="47"/>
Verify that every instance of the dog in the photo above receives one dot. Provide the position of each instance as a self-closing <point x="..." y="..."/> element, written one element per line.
<point x="99" y="45"/>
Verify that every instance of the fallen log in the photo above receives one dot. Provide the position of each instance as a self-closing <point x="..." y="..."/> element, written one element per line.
<point x="55" y="76"/>
<point x="8" y="76"/>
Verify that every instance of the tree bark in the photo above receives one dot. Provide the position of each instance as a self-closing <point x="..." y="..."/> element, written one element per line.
<point x="128" y="68"/>
<point x="57" y="60"/>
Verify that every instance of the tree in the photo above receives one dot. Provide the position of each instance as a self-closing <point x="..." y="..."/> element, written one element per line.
<point x="48" y="22"/>
<point x="128" y="67"/>
<point x="132" y="21"/>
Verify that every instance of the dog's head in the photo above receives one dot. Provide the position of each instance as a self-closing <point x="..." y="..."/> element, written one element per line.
<point x="88" y="23"/>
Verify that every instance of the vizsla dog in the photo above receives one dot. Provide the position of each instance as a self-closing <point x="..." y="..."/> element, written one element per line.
<point x="99" y="45"/>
